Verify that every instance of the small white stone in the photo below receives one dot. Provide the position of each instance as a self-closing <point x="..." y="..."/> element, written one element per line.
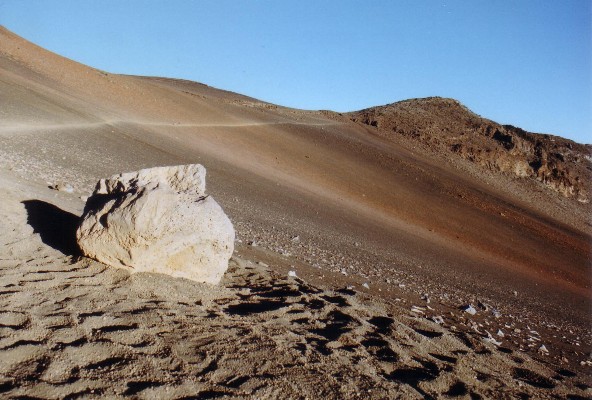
<point x="292" y="274"/>
<point x="470" y="310"/>
<point x="417" y="310"/>
<point x="490" y="339"/>
<point x="63" y="187"/>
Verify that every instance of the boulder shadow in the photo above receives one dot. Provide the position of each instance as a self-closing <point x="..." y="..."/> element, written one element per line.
<point x="56" y="227"/>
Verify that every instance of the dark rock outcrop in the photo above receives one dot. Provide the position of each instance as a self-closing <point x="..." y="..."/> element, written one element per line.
<point x="445" y="125"/>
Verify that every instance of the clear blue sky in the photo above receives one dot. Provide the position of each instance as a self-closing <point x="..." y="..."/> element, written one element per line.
<point x="525" y="63"/>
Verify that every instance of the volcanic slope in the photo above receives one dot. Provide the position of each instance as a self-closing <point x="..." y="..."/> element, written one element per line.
<point x="345" y="199"/>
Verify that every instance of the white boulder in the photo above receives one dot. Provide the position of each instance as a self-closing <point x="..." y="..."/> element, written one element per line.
<point x="158" y="220"/>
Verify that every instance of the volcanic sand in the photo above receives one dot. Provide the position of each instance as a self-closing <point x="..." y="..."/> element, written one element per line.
<point x="312" y="192"/>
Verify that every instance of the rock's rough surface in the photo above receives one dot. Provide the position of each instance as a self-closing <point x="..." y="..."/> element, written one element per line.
<point x="158" y="220"/>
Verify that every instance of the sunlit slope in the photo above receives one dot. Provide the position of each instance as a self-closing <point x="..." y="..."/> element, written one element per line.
<point x="359" y="200"/>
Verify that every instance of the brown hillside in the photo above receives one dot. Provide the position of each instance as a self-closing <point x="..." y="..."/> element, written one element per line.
<point x="446" y="125"/>
<point x="393" y="225"/>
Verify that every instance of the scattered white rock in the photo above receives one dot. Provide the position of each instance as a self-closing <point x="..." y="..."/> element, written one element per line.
<point x="158" y="220"/>
<point x="543" y="350"/>
<point x="500" y="333"/>
<point x="365" y="284"/>
<point x="417" y="310"/>
<point x="491" y="339"/>
<point x="438" y="319"/>
<point x="470" y="309"/>
<point x="63" y="187"/>
<point x="292" y="274"/>
<point x="296" y="239"/>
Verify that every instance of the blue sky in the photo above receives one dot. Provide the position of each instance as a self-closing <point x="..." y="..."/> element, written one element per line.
<point x="525" y="63"/>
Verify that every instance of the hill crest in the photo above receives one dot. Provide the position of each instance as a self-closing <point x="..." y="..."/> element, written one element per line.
<point x="446" y="125"/>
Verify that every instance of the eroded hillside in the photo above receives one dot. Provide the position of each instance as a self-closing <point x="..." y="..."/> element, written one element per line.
<point x="446" y="125"/>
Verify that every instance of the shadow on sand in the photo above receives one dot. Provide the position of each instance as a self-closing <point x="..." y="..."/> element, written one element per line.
<point x="56" y="227"/>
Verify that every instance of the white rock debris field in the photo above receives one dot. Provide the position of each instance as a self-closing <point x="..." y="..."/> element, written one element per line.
<point x="158" y="220"/>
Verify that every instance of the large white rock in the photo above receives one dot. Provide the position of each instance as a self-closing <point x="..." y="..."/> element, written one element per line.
<point x="158" y="220"/>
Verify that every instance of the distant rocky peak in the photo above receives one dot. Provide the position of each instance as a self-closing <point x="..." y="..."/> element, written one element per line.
<point x="445" y="125"/>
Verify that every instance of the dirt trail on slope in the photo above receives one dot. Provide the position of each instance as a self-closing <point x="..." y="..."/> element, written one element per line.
<point x="23" y="127"/>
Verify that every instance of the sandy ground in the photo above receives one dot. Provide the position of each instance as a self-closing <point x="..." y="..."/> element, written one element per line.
<point x="71" y="327"/>
<point x="307" y="191"/>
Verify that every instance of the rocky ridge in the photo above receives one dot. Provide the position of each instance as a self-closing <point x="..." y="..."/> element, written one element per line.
<point x="446" y="125"/>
